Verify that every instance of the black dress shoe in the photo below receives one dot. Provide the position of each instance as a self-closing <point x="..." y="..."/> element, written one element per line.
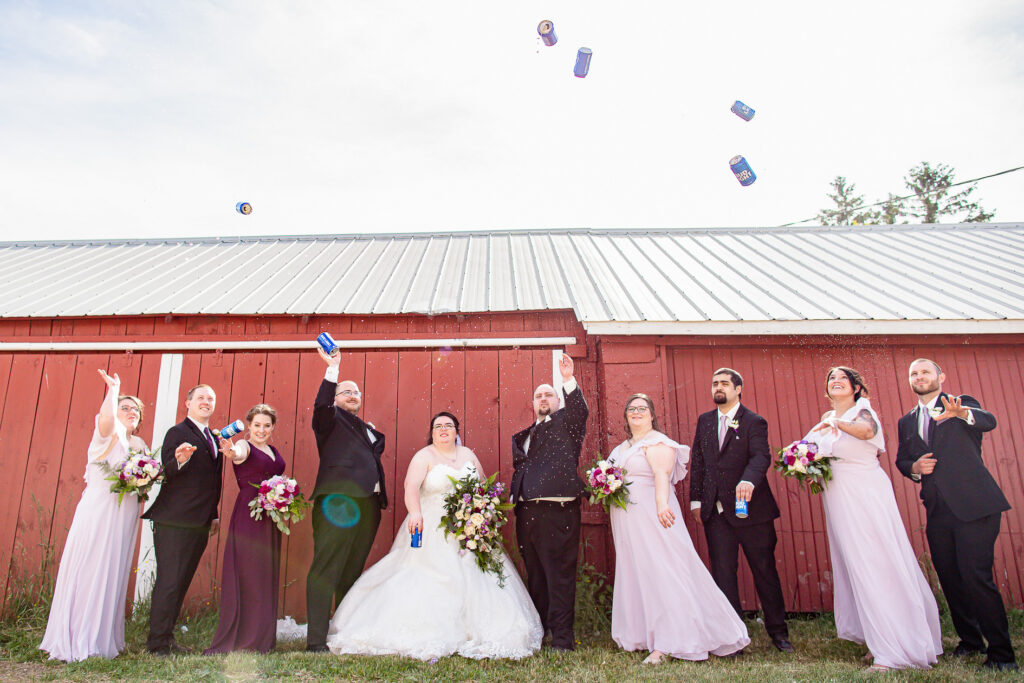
<point x="1000" y="666"/>
<point x="317" y="648"/>
<point x="963" y="650"/>
<point x="783" y="645"/>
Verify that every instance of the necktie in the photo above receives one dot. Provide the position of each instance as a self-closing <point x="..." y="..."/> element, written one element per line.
<point x="721" y="430"/>
<point x="925" y="424"/>
<point x="213" y="444"/>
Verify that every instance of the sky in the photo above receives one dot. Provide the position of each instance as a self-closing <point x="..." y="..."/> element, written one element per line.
<point x="150" y="119"/>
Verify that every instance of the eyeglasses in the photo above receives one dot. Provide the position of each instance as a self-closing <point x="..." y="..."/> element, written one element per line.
<point x="129" y="409"/>
<point x="349" y="392"/>
<point x="636" y="409"/>
<point x="443" y="426"/>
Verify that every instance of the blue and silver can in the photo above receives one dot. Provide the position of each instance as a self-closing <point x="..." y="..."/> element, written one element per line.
<point x="582" y="62"/>
<point x="546" y="29"/>
<point x="741" y="169"/>
<point x="235" y="427"/>
<point x="742" y="110"/>
<point x="741" y="508"/>
<point x="417" y="538"/>
<point x="326" y="342"/>
<point x="244" y="208"/>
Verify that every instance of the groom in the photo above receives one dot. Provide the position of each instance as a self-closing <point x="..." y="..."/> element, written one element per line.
<point x="940" y="447"/>
<point x="546" y="491"/>
<point x="729" y="460"/>
<point x="347" y="499"/>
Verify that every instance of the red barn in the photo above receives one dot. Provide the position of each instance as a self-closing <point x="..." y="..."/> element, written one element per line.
<point x="471" y="322"/>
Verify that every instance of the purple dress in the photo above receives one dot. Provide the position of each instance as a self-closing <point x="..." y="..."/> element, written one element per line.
<point x="252" y="566"/>
<point x="664" y="597"/>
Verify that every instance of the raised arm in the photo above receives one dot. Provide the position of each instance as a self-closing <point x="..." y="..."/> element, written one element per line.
<point x="108" y="409"/>
<point x="968" y="409"/>
<point x="323" y="405"/>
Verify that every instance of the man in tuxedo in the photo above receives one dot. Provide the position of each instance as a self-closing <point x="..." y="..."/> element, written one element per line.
<point x="940" y="447"/>
<point x="184" y="514"/>
<point x="347" y="499"/>
<point x="728" y="463"/>
<point x="546" y="490"/>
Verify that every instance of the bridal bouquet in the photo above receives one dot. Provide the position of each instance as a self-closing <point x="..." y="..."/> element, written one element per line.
<point x="474" y="513"/>
<point x="607" y="485"/>
<point x="802" y="461"/>
<point x="280" y="498"/>
<point x="136" y="475"/>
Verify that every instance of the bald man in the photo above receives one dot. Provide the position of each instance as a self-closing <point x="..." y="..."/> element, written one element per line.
<point x="546" y="491"/>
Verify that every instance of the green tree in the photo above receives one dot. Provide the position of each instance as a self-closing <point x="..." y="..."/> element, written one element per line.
<point x="932" y="199"/>
<point x="892" y="209"/>
<point x="849" y="206"/>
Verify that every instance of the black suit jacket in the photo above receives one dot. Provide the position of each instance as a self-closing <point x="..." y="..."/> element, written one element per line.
<point x="349" y="463"/>
<point x="960" y="478"/>
<point x="745" y="456"/>
<point x="551" y="467"/>
<point x="188" y="496"/>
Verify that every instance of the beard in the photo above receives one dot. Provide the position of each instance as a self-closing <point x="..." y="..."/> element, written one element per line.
<point x="720" y="399"/>
<point x="921" y="391"/>
<point x="543" y="411"/>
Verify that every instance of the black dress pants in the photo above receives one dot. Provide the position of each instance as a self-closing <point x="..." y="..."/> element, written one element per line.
<point x="962" y="553"/>
<point x="548" y="536"/>
<point x="339" y="554"/>
<point x="178" y="550"/>
<point x="758" y="542"/>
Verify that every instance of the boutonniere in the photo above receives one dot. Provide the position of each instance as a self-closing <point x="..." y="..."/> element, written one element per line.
<point x="734" y="425"/>
<point x="935" y="411"/>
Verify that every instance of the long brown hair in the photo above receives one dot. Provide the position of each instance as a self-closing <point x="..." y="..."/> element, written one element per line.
<point x="650" y="407"/>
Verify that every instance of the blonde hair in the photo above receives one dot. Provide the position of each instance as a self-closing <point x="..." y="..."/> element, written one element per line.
<point x="261" y="409"/>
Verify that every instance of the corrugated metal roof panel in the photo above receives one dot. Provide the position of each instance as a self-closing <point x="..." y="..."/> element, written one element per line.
<point x="725" y="275"/>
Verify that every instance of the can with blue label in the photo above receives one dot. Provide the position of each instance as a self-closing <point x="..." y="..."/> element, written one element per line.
<point x="741" y="509"/>
<point x="327" y="343"/>
<point x="235" y="427"/>
<point x="417" y="538"/>
<point x="741" y="169"/>
<point x="244" y="208"/>
<point x="546" y="29"/>
<point x="582" y="62"/>
<point x="743" y="111"/>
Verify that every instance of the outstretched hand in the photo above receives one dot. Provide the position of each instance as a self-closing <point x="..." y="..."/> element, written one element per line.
<point x="953" y="407"/>
<point x="565" y="367"/>
<point x="111" y="382"/>
<point x="225" y="448"/>
<point x="332" y="360"/>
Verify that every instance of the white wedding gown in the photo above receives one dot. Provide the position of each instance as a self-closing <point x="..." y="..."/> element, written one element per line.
<point x="431" y="602"/>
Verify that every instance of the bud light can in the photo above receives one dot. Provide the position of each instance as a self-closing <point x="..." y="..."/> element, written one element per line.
<point x="234" y="428"/>
<point x="326" y="342"/>
<point x="546" y="29"/>
<point x="743" y="111"/>
<point x="244" y="208"/>
<point x="582" y="62"/>
<point x="741" y="508"/>
<point x="417" y="538"/>
<point x="741" y="169"/>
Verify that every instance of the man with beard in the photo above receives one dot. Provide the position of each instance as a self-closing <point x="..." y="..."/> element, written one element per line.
<point x="940" y="447"/>
<point x="728" y="463"/>
<point x="347" y="499"/>
<point x="546" y="491"/>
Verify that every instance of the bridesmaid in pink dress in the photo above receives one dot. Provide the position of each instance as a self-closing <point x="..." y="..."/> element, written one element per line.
<point x="881" y="595"/>
<point x="665" y="600"/>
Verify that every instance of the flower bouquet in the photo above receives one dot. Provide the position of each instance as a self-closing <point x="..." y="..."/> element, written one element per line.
<point x="280" y="498"/>
<point x="607" y="485"/>
<point x="474" y="513"/>
<point x="136" y="475"/>
<point x="802" y="461"/>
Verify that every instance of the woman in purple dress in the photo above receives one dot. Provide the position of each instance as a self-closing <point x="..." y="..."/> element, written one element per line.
<point x="664" y="600"/>
<point x="252" y="552"/>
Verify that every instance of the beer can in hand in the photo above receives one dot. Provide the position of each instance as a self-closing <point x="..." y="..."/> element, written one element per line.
<point x="741" y="110"/>
<point x="741" y="169"/>
<point x="326" y="342"/>
<point x="546" y="29"/>
<point x="417" y="538"/>
<point x="741" y="509"/>
<point x="235" y="427"/>
<point x="582" y="62"/>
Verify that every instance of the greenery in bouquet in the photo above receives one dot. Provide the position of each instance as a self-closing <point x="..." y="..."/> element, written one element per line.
<point x="607" y="485"/>
<point x="802" y="461"/>
<point x="474" y="513"/>
<point x="136" y="475"/>
<point x="279" y="497"/>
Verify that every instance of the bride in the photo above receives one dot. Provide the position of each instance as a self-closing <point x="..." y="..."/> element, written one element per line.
<point x="431" y="601"/>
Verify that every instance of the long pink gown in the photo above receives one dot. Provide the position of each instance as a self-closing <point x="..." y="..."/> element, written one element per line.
<point x="87" y="612"/>
<point x="881" y="595"/>
<point x="665" y="598"/>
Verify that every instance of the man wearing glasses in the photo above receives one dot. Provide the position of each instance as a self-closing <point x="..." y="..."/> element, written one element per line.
<point x="728" y="464"/>
<point x="347" y="499"/>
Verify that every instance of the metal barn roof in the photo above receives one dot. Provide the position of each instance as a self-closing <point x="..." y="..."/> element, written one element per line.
<point x="646" y="281"/>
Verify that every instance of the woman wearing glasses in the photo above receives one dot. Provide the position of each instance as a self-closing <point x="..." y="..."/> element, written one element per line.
<point x="665" y="600"/>
<point x="87" y="612"/>
<point x="433" y="601"/>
